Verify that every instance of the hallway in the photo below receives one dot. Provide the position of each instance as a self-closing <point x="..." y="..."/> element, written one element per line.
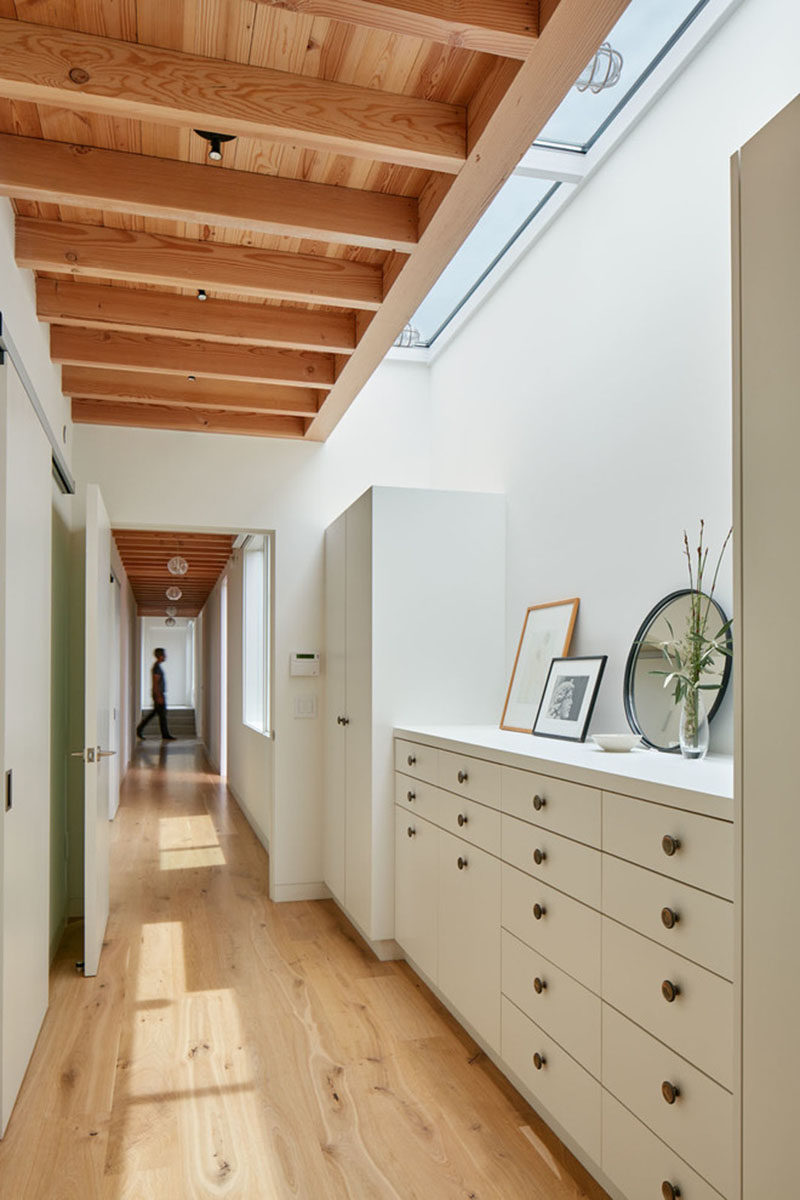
<point x="231" y="1047"/>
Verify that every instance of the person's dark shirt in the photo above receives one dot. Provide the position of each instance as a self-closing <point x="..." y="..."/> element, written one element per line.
<point x="159" y="684"/>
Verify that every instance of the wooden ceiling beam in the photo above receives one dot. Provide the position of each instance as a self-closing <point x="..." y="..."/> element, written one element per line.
<point x="504" y="27"/>
<point x="180" y="356"/>
<point x="69" y="302"/>
<point x="197" y="420"/>
<point x="151" y="610"/>
<point x="99" y="384"/>
<point x="573" y="32"/>
<point x="100" y="252"/>
<point x="112" y="181"/>
<point x="86" y="73"/>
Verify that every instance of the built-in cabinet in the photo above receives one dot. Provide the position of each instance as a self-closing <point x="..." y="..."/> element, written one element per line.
<point x="414" y="586"/>
<point x="579" y="920"/>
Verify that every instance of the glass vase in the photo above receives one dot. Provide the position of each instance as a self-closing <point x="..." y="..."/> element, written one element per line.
<point x="693" y="730"/>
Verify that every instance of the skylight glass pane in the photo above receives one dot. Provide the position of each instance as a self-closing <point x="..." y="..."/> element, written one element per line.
<point x="502" y="222"/>
<point x="640" y="35"/>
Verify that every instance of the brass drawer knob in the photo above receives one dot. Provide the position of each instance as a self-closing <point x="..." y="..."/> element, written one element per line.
<point x="670" y="845"/>
<point x="539" y="856"/>
<point x="538" y="911"/>
<point x="670" y="1092"/>
<point x="670" y="1191"/>
<point x="670" y="991"/>
<point x="539" y="803"/>
<point x="669" y="918"/>
<point x="462" y="862"/>
<point x="462" y="820"/>
<point x="539" y="1060"/>
<point x="411" y="831"/>
<point x="412" y="758"/>
<point x="539" y="985"/>
<point x="411" y="797"/>
<point x="462" y="777"/>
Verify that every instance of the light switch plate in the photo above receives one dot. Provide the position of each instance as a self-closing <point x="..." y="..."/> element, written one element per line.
<point x="305" y="707"/>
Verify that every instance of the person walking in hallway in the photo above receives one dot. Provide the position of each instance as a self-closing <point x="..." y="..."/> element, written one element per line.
<point x="159" y="699"/>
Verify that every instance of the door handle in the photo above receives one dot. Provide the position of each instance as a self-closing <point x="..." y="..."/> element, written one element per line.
<point x="106" y="753"/>
<point x="87" y="755"/>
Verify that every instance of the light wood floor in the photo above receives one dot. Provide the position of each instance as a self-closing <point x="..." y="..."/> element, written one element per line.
<point x="230" y="1047"/>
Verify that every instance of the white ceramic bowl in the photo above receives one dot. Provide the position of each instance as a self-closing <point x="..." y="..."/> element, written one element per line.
<point x="616" y="743"/>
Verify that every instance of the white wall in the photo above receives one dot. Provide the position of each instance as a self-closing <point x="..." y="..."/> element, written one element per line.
<point x="594" y="387"/>
<point x="214" y="482"/>
<point x="178" y="643"/>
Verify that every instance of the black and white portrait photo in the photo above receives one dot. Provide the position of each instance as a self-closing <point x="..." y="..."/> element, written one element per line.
<point x="568" y="699"/>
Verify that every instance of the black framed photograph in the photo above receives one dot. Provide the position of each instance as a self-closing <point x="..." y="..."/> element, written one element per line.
<point x="568" y="698"/>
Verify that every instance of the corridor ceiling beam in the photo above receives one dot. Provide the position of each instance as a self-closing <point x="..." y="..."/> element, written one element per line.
<point x="503" y="27"/>
<point x="69" y="302"/>
<point x="90" y="383"/>
<point x="87" y="73"/>
<point x="192" y="420"/>
<point x="100" y="252"/>
<point x="62" y="173"/>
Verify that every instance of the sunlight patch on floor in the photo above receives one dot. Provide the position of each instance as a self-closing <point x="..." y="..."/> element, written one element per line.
<point x="186" y="842"/>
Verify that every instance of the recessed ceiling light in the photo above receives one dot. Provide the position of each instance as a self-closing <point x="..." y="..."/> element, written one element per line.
<point x="192" y="378"/>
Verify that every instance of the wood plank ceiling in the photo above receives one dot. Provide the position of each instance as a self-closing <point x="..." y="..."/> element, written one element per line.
<point x="369" y="135"/>
<point x="145" y="554"/>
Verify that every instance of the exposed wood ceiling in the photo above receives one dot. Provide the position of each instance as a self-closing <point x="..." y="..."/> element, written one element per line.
<point x="145" y="555"/>
<point x="369" y="137"/>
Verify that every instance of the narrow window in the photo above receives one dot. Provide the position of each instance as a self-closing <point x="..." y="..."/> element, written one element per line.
<point x="256" y="593"/>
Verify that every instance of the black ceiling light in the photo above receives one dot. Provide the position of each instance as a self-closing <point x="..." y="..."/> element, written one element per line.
<point x="215" y="141"/>
<point x="202" y="294"/>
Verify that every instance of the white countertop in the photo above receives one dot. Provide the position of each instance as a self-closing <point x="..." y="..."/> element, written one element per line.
<point x="710" y="780"/>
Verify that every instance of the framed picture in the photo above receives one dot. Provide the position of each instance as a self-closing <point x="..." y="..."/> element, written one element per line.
<point x="568" y="698"/>
<point x="546" y="633"/>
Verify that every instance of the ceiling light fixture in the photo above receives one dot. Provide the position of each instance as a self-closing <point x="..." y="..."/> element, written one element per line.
<point x="177" y="565"/>
<point x="202" y="294"/>
<point x="215" y="141"/>
<point x="170" y="621"/>
<point x="174" y="593"/>
<point x="192" y="378"/>
<point x="602" y="72"/>
<point x="171" y="610"/>
<point x="408" y="336"/>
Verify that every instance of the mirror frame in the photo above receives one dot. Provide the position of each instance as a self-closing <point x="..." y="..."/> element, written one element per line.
<point x="627" y="686"/>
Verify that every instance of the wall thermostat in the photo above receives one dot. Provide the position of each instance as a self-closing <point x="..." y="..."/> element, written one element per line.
<point x="303" y="662"/>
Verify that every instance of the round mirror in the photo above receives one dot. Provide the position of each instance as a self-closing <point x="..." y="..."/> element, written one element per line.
<point x="649" y="706"/>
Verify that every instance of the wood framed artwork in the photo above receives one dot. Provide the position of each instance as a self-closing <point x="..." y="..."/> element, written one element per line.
<point x="546" y="634"/>
<point x="568" y="698"/>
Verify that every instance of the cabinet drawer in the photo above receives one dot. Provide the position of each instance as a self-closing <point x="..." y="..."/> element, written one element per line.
<point x="416" y="879"/>
<point x="562" y="1087"/>
<point x="698" y="1125"/>
<point x="640" y="1164"/>
<point x="415" y="759"/>
<point x="417" y="796"/>
<point x="697" y="1021"/>
<point x="568" y="808"/>
<point x="473" y="822"/>
<point x="565" y="1009"/>
<point x="569" y="866"/>
<point x="698" y="851"/>
<point x="567" y="932"/>
<point x="472" y="777"/>
<point x="641" y="899"/>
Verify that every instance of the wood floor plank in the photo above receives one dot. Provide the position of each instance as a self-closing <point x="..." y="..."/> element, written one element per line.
<point x="234" y="1049"/>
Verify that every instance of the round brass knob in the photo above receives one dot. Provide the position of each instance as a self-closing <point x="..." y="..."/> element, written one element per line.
<point x="669" y="917"/>
<point x="539" y="803"/>
<point x="462" y="820"/>
<point x="411" y="759"/>
<point x="670" y="991"/>
<point x="670" y="1092"/>
<point x="539" y="1060"/>
<point x="538" y="911"/>
<point x="462" y="862"/>
<point x="539" y="856"/>
<point x="411" y="797"/>
<point x="539" y="985"/>
<point x="411" y="831"/>
<point x="462" y="776"/>
<point x="670" y="845"/>
<point x="669" y="1191"/>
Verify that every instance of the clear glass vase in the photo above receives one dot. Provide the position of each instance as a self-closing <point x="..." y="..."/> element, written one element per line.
<point x="693" y="730"/>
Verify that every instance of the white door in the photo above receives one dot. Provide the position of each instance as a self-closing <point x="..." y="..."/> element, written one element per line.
<point x="25" y="622"/>
<point x="335" y="705"/>
<point x="114" y="738"/>
<point x="98" y="648"/>
<point x="359" y="885"/>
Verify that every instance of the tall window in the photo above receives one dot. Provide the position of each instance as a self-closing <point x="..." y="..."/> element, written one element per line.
<point x="256" y="592"/>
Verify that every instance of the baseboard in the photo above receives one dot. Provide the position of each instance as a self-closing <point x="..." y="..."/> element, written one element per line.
<point x="384" y="949"/>
<point x="212" y="762"/>
<point x="299" y="891"/>
<point x="251" y="821"/>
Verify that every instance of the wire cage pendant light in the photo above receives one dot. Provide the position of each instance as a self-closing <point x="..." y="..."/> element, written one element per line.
<point x="173" y="593"/>
<point x="177" y="565"/>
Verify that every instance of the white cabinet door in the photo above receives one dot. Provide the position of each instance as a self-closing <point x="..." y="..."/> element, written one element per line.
<point x="334" y="733"/>
<point x="469" y="934"/>
<point x="358" y="715"/>
<point x="417" y="889"/>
